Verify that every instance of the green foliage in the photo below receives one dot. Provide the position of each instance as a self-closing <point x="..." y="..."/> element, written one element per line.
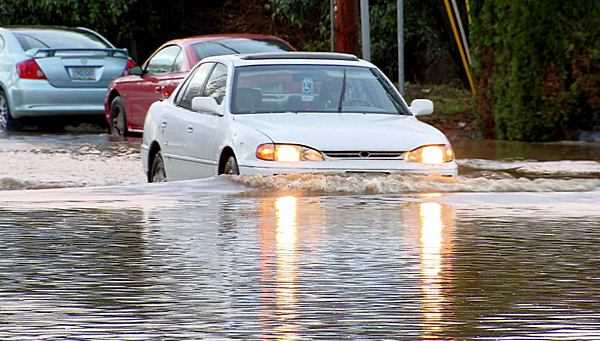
<point x="108" y="16"/>
<point x="139" y="25"/>
<point x="534" y="60"/>
<point x="310" y="17"/>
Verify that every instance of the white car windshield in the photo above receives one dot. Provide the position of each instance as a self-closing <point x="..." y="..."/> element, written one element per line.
<point x="313" y="88"/>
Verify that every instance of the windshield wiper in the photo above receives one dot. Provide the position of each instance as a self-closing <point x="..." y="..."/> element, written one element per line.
<point x="343" y="92"/>
<point x="249" y="112"/>
<point x="227" y="47"/>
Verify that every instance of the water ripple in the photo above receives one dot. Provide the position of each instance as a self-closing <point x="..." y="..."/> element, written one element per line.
<point x="319" y="268"/>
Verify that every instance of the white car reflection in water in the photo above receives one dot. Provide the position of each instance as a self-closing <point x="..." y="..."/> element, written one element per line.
<point x="289" y="113"/>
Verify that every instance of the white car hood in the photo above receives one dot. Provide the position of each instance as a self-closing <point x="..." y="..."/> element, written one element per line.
<point x="337" y="132"/>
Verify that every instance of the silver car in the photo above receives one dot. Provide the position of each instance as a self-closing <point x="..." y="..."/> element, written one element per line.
<point x="55" y="71"/>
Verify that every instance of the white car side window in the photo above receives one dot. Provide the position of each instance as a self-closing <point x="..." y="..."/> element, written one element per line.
<point x="216" y="84"/>
<point x="195" y="85"/>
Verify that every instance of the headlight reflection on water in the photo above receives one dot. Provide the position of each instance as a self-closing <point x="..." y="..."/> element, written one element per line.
<point x="433" y="228"/>
<point x="286" y="264"/>
<point x="430" y="214"/>
<point x="286" y="236"/>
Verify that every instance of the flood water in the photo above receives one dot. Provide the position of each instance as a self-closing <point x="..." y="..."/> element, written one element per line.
<point x="508" y="251"/>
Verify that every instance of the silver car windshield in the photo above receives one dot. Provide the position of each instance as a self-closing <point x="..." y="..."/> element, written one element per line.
<point x="313" y="88"/>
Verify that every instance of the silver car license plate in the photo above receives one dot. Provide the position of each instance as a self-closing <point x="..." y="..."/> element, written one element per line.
<point x="83" y="73"/>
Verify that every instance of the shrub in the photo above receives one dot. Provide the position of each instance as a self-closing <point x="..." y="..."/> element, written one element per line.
<point x="537" y="63"/>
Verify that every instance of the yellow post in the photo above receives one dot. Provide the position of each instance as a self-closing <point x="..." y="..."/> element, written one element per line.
<point x="461" y="50"/>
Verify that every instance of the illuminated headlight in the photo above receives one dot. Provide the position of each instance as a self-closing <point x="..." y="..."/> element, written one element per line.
<point x="287" y="153"/>
<point x="432" y="155"/>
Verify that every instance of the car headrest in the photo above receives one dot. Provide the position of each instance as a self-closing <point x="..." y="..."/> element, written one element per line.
<point x="247" y="99"/>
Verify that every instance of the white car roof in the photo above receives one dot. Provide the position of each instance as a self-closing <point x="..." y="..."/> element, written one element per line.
<point x="283" y="58"/>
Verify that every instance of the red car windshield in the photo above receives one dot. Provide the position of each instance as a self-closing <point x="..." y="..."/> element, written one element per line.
<point x="237" y="46"/>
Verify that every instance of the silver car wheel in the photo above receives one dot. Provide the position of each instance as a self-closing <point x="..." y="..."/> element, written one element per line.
<point x="3" y="112"/>
<point x="231" y="167"/>
<point x="7" y="122"/>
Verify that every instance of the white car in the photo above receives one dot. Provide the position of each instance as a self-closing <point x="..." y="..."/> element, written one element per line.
<point x="289" y="113"/>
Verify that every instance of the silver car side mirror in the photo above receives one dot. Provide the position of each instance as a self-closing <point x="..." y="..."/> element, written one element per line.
<point x="206" y="105"/>
<point x="421" y="107"/>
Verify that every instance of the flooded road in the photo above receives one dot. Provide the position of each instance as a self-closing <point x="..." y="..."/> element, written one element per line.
<point x="155" y="264"/>
<point x="509" y="251"/>
<point x="88" y="158"/>
<point x="32" y="161"/>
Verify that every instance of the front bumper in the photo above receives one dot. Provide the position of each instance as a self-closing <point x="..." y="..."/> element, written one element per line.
<point x="348" y="166"/>
<point x="35" y="98"/>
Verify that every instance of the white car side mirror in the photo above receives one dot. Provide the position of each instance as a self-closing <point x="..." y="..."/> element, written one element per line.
<point x="207" y="105"/>
<point x="421" y="107"/>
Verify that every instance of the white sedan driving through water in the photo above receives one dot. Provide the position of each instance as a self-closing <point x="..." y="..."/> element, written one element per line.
<point x="290" y="113"/>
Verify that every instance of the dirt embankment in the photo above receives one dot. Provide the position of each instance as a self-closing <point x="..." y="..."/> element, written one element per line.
<point x="454" y="112"/>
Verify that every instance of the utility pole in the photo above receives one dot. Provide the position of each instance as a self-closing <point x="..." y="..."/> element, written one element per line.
<point x="400" y="21"/>
<point x="365" y="29"/>
<point x="346" y="26"/>
<point x="332" y="24"/>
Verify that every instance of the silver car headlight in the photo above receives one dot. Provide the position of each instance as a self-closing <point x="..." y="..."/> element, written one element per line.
<point x="287" y="153"/>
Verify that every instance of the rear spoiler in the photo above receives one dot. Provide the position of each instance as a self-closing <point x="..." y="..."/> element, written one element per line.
<point x="44" y="53"/>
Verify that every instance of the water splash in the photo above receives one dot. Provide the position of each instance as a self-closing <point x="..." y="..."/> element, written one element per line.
<point x="384" y="184"/>
<point x="16" y="184"/>
<point x="546" y="168"/>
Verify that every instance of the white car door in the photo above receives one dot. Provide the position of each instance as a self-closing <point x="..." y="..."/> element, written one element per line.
<point x="179" y="127"/>
<point x="204" y="127"/>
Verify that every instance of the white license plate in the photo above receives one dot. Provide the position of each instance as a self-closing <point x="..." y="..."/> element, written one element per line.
<point x="83" y="73"/>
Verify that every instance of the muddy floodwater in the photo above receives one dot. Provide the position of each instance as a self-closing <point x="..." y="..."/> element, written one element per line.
<point x="508" y="251"/>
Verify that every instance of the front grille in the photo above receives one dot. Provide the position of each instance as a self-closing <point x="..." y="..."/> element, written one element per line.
<point x="365" y="155"/>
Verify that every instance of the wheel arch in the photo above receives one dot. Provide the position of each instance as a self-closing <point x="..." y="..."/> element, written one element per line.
<point x="154" y="149"/>
<point x="114" y="93"/>
<point x="225" y="154"/>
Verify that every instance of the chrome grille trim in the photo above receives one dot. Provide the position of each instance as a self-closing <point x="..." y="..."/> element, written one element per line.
<point x="365" y="155"/>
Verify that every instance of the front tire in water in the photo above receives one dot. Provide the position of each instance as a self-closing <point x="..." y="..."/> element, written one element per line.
<point x="7" y="122"/>
<point x="118" y="118"/>
<point x="231" y="167"/>
<point x="157" y="170"/>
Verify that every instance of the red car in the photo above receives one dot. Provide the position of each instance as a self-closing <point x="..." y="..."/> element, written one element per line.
<point x="129" y="97"/>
